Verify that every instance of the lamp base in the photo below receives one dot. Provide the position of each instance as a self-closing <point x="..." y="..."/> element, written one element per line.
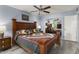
<point x="1" y="35"/>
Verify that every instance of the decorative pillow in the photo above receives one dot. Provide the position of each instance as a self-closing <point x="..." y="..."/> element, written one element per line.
<point x="34" y="31"/>
<point x="27" y="31"/>
<point x="21" y="32"/>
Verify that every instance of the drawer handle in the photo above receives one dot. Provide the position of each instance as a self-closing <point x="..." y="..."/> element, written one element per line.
<point x="2" y="41"/>
<point x="3" y="46"/>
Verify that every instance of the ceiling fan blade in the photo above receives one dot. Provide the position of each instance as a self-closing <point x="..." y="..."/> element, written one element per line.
<point x="46" y="11"/>
<point x="34" y="11"/>
<point x="47" y="7"/>
<point x="37" y="7"/>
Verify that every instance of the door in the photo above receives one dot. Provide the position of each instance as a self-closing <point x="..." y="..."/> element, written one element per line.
<point x="70" y="28"/>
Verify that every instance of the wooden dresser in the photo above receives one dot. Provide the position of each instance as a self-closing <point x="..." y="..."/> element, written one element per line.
<point x="5" y="43"/>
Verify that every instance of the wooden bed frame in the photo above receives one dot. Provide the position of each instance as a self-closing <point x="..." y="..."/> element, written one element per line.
<point x="44" y="45"/>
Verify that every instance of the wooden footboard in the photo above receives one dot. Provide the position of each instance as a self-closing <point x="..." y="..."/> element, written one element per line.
<point x="45" y="45"/>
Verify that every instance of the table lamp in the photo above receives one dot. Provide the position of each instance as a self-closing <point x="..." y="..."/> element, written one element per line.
<point x="2" y="30"/>
<point x="39" y="28"/>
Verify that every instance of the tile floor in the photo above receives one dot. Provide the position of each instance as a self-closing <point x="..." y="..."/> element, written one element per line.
<point x="67" y="47"/>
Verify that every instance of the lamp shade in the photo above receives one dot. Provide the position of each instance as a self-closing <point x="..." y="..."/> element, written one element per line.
<point x="2" y="28"/>
<point x="39" y="26"/>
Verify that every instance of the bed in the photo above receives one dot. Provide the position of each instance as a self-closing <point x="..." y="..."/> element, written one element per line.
<point x="36" y="42"/>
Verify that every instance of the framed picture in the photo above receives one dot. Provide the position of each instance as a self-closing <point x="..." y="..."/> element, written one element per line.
<point x="25" y="17"/>
<point x="59" y="26"/>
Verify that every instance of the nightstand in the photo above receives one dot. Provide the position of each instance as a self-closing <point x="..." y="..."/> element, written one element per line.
<point x="5" y="43"/>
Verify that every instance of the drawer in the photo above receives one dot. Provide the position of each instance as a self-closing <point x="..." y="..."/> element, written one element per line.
<point x="2" y="46"/>
<point x="5" y="46"/>
<point x="2" y="42"/>
<point x="5" y="43"/>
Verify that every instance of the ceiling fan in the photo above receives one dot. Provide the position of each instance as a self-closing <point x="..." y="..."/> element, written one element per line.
<point x="41" y="9"/>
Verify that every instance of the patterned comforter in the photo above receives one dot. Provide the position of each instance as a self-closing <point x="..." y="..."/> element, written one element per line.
<point x="28" y="41"/>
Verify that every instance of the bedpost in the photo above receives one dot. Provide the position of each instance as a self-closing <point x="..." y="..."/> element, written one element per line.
<point x="35" y="23"/>
<point x="58" y="32"/>
<point x="13" y="30"/>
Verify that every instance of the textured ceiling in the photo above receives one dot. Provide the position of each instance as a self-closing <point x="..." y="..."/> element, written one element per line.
<point x="53" y="9"/>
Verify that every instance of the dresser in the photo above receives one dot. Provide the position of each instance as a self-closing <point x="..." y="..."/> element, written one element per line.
<point x="5" y="43"/>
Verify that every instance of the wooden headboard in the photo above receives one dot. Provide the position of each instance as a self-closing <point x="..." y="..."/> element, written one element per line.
<point x="22" y="25"/>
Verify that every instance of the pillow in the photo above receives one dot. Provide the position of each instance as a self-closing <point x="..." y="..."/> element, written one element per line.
<point x="27" y="31"/>
<point x="21" y="32"/>
<point x="34" y="30"/>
